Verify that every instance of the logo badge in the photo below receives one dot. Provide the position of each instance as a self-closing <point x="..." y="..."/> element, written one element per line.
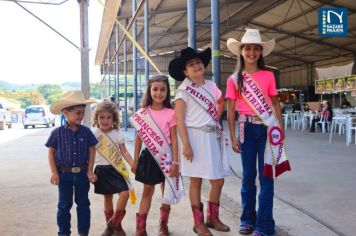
<point x="333" y="22"/>
<point x="275" y="135"/>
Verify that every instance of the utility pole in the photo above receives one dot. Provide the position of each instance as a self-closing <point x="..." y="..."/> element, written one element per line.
<point x="84" y="55"/>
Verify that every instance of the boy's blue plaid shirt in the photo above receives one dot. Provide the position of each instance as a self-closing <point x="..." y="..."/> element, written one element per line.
<point x="72" y="147"/>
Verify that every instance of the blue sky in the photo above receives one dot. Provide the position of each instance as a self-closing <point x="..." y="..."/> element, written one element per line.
<point x="32" y="53"/>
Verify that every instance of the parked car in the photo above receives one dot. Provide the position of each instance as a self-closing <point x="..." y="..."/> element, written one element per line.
<point x="5" y="116"/>
<point x="38" y="115"/>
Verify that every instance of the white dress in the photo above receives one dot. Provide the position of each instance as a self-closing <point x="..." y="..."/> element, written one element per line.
<point x="206" y="162"/>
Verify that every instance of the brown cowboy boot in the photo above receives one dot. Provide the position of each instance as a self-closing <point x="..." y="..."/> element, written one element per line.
<point x="108" y="215"/>
<point x="115" y="223"/>
<point x="212" y="218"/>
<point x="163" y="222"/>
<point x="199" y="226"/>
<point x="141" y="225"/>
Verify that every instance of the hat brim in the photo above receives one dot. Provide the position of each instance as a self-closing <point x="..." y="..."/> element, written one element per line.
<point x="235" y="46"/>
<point x="57" y="107"/>
<point x="177" y="65"/>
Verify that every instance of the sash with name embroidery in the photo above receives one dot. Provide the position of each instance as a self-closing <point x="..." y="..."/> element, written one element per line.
<point x="206" y="100"/>
<point x="275" y="153"/>
<point x="107" y="148"/>
<point x="156" y="143"/>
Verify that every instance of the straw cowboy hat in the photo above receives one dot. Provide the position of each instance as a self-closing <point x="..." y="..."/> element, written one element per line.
<point x="177" y="65"/>
<point x="251" y="36"/>
<point x="71" y="98"/>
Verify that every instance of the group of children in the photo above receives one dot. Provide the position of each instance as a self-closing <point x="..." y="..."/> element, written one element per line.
<point x="185" y="140"/>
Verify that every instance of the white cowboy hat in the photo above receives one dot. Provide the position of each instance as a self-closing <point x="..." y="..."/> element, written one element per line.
<point x="251" y="36"/>
<point x="71" y="98"/>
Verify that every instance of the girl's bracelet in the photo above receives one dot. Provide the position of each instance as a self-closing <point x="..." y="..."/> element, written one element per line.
<point x="175" y="163"/>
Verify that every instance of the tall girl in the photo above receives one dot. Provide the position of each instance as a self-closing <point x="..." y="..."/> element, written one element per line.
<point x="156" y="126"/>
<point x="253" y="89"/>
<point x="112" y="174"/>
<point x="198" y="105"/>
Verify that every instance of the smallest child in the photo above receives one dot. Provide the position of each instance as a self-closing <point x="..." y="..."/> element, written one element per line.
<point x="71" y="155"/>
<point x="113" y="176"/>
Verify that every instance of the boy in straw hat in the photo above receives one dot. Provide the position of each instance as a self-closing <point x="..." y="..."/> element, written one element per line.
<point x="71" y="154"/>
<point x="261" y="134"/>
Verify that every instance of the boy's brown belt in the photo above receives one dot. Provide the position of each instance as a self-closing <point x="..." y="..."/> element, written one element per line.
<point x="74" y="169"/>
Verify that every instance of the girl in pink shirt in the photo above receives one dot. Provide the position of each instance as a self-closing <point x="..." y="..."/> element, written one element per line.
<point x="157" y="101"/>
<point x="252" y="137"/>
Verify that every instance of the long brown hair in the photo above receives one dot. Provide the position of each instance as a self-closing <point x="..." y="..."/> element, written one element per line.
<point x="147" y="98"/>
<point x="260" y="65"/>
<point x="108" y="107"/>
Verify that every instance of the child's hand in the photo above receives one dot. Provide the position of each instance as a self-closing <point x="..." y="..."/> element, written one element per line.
<point x="174" y="170"/>
<point x="188" y="152"/>
<point x="134" y="167"/>
<point x="92" y="177"/>
<point x="54" y="179"/>
<point x="235" y="145"/>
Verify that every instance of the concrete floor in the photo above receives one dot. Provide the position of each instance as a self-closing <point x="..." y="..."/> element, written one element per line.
<point x="322" y="182"/>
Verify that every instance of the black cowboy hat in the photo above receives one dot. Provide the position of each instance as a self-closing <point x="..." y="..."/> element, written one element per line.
<point x="177" y="65"/>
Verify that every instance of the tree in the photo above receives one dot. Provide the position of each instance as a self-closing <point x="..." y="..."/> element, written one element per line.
<point x="95" y="90"/>
<point x="51" y="92"/>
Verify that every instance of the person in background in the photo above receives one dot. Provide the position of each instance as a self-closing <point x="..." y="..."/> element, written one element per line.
<point x="345" y="104"/>
<point x="325" y="114"/>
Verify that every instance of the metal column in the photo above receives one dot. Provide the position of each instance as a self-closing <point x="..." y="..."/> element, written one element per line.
<point x="109" y="74"/>
<point x="146" y="25"/>
<point x="215" y="35"/>
<point x="134" y="56"/>
<point x="84" y="56"/>
<point x="117" y="69"/>
<point x="191" y="23"/>
<point x="125" y="75"/>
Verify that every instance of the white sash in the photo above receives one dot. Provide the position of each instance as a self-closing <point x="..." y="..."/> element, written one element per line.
<point x="156" y="143"/>
<point x="275" y="154"/>
<point x="207" y="102"/>
<point x="107" y="148"/>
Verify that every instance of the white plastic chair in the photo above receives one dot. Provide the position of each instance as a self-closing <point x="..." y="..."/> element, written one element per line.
<point x="324" y="123"/>
<point x="338" y="121"/>
<point x="349" y="128"/>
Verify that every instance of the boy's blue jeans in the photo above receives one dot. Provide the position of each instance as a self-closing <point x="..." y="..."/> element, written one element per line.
<point x="252" y="154"/>
<point x="79" y="185"/>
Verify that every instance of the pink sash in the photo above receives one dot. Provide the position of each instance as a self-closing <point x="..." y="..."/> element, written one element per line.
<point x="207" y="102"/>
<point x="155" y="141"/>
<point x="275" y="155"/>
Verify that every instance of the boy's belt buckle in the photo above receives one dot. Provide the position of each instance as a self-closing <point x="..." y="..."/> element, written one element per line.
<point x="76" y="169"/>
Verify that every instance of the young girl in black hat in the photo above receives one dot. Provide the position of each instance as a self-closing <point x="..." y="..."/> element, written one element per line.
<point x="199" y="104"/>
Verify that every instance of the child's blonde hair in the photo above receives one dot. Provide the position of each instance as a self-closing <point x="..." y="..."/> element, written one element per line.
<point x="109" y="107"/>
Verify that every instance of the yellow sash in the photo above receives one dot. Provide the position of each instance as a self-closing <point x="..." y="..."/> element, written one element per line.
<point x="107" y="148"/>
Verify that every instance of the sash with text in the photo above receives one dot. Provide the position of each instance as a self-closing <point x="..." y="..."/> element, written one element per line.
<point x="201" y="96"/>
<point x="107" y="148"/>
<point x="156" y="143"/>
<point x="275" y="154"/>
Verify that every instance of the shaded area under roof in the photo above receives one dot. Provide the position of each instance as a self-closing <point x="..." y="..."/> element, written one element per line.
<point x="292" y="23"/>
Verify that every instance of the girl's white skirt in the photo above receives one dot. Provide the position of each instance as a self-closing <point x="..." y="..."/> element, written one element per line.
<point x="206" y="162"/>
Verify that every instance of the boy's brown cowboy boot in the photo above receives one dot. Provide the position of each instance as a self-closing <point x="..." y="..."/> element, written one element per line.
<point x="199" y="226"/>
<point x="212" y="218"/>
<point x="141" y="224"/>
<point x="163" y="222"/>
<point x="115" y="223"/>
<point x="108" y="215"/>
